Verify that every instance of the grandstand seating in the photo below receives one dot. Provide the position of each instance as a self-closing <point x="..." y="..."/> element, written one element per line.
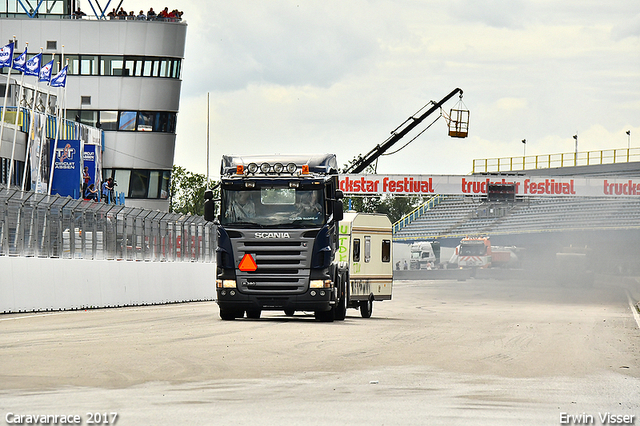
<point x="461" y="216"/>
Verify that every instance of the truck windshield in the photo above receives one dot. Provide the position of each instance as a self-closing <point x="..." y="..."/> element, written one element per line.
<point x="473" y="250"/>
<point x="272" y="207"/>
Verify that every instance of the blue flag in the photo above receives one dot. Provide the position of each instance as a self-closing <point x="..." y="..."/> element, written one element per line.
<point x="20" y="62"/>
<point x="33" y="65"/>
<point x="60" y="79"/>
<point x="6" y="56"/>
<point x="45" y="71"/>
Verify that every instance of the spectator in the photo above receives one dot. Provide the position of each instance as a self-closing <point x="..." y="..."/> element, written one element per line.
<point x="131" y="16"/>
<point x="164" y="14"/>
<point x="151" y="15"/>
<point x="85" y="178"/>
<point x="141" y="16"/>
<point x="122" y="14"/>
<point x="107" y="189"/>
<point x="112" y="14"/>
<point x="78" y="14"/>
<point x="91" y="193"/>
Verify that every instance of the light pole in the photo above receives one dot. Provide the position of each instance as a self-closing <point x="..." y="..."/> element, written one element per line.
<point x="524" y="152"/>
<point x="575" y="159"/>
<point x="628" y="139"/>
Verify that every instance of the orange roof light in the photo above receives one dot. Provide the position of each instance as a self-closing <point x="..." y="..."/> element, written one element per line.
<point x="239" y="169"/>
<point x="247" y="264"/>
<point x="305" y="169"/>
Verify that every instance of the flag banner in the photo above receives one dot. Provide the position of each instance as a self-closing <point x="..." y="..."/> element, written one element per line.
<point x="60" y="79"/>
<point x="35" y="159"/>
<point x="67" y="175"/>
<point x="20" y="62"/>
<point x="33" y="65"/>
<point x="45" y="71"/>
<point x="6" y="55"/>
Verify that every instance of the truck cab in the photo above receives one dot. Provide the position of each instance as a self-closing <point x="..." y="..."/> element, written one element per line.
<point x="277" y="236"/>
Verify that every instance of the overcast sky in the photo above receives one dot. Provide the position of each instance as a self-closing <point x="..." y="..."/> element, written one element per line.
<point x="339" y="76"/>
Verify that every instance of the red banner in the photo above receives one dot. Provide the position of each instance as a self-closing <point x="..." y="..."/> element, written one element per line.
<point x="477" y="185"/>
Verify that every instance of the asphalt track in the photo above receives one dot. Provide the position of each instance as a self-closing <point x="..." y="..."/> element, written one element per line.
<point x="446" y="352"/>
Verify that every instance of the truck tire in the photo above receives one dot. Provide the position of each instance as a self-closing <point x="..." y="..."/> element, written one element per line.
<point x="254" y="313"/>
<point x="341" y="305"/>
<point x="227" y="314"/>
<point x="326" y="316"/>
<point x="366" y="308"/>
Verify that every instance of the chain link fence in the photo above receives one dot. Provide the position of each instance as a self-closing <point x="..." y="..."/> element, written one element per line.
<point x="40" y="225"/>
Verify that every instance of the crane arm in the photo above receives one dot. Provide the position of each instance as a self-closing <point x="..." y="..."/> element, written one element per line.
<point x="362" y="162"/>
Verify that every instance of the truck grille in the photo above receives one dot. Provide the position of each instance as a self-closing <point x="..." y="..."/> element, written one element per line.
<point x="283" y="265"/>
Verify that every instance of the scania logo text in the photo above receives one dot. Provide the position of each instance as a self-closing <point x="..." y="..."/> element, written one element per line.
<point x="271" y="235"/>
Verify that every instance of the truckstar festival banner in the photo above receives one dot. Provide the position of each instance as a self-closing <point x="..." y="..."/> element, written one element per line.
<point x="477" y="185"/>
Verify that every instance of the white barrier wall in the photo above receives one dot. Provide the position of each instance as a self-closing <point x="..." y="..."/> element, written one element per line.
<point x="35" y="284"/>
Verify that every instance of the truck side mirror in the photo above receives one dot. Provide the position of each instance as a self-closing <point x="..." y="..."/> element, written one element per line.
<point x="339" y="194"/>
<point x="338" y="214"/>
<point x="209" y="206"/>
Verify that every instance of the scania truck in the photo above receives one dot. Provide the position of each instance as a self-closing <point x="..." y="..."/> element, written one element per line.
<point x="278" y="234"/>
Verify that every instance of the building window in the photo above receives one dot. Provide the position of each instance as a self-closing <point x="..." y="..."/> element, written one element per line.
<point x="89" y="65"/>
<point x="141" y="183"/>
<point x="145" y="121"/>
<point x="85" y="100"/>
<point x="127" y="121"/>
<point x="108" y="120"/>
<point x="52" y="45"/>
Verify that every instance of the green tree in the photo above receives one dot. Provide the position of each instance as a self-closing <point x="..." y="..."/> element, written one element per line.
<point x="187" y="191"/>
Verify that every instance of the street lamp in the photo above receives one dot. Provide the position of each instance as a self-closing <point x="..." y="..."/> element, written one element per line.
<point x="628" y="139"/>
<point x="575" y="160"/>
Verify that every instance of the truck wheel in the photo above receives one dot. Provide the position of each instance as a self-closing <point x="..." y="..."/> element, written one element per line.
<point x="341" y="307"/>
<point x="227" y="314"/>
<point x="289" y="312"/>
<point x="254" y="313"/>
<point x="326" y="316"/>
<point x="366" y="308"/>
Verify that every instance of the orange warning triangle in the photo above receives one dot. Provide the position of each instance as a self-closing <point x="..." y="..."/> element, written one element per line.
<point x="247" y="264"/>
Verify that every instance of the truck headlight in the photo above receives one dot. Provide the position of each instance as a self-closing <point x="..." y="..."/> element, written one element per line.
<point x="226" y="283"/>
<point x="320" y="284"/>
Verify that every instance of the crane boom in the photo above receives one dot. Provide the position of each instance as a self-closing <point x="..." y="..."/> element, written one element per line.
<point x="362" y="162"/>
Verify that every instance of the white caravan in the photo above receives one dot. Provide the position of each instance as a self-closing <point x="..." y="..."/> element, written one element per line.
<point x="365" y="249"/>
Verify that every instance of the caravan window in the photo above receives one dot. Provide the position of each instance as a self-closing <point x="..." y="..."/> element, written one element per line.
<point x="386" y="250"/>
<point x="367" y="249"/>
<point x="356" y="249"/>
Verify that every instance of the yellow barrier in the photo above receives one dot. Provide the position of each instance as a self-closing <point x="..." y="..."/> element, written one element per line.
<point x="548" y="161"/>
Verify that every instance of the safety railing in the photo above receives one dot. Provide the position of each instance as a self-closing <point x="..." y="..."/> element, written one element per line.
<point x="40" y="225"/>
<point x="548" y="161"/>
<point x="416" y="213"/>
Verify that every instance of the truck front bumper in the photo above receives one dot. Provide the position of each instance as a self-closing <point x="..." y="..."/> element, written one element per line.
<point x="313" y="300"/>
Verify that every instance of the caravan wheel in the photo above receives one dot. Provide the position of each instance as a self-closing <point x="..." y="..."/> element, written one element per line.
<point x="366" y="308"/>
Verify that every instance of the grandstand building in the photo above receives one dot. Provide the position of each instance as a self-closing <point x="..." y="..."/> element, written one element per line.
<point x="542" y="226"/>
<point x="124" y="77"/>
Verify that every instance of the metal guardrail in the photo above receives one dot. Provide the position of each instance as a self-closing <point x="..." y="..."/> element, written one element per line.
<point x="40" y="225"/>
<point x="416" y="213"/>
<point x="548" y="161"/>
